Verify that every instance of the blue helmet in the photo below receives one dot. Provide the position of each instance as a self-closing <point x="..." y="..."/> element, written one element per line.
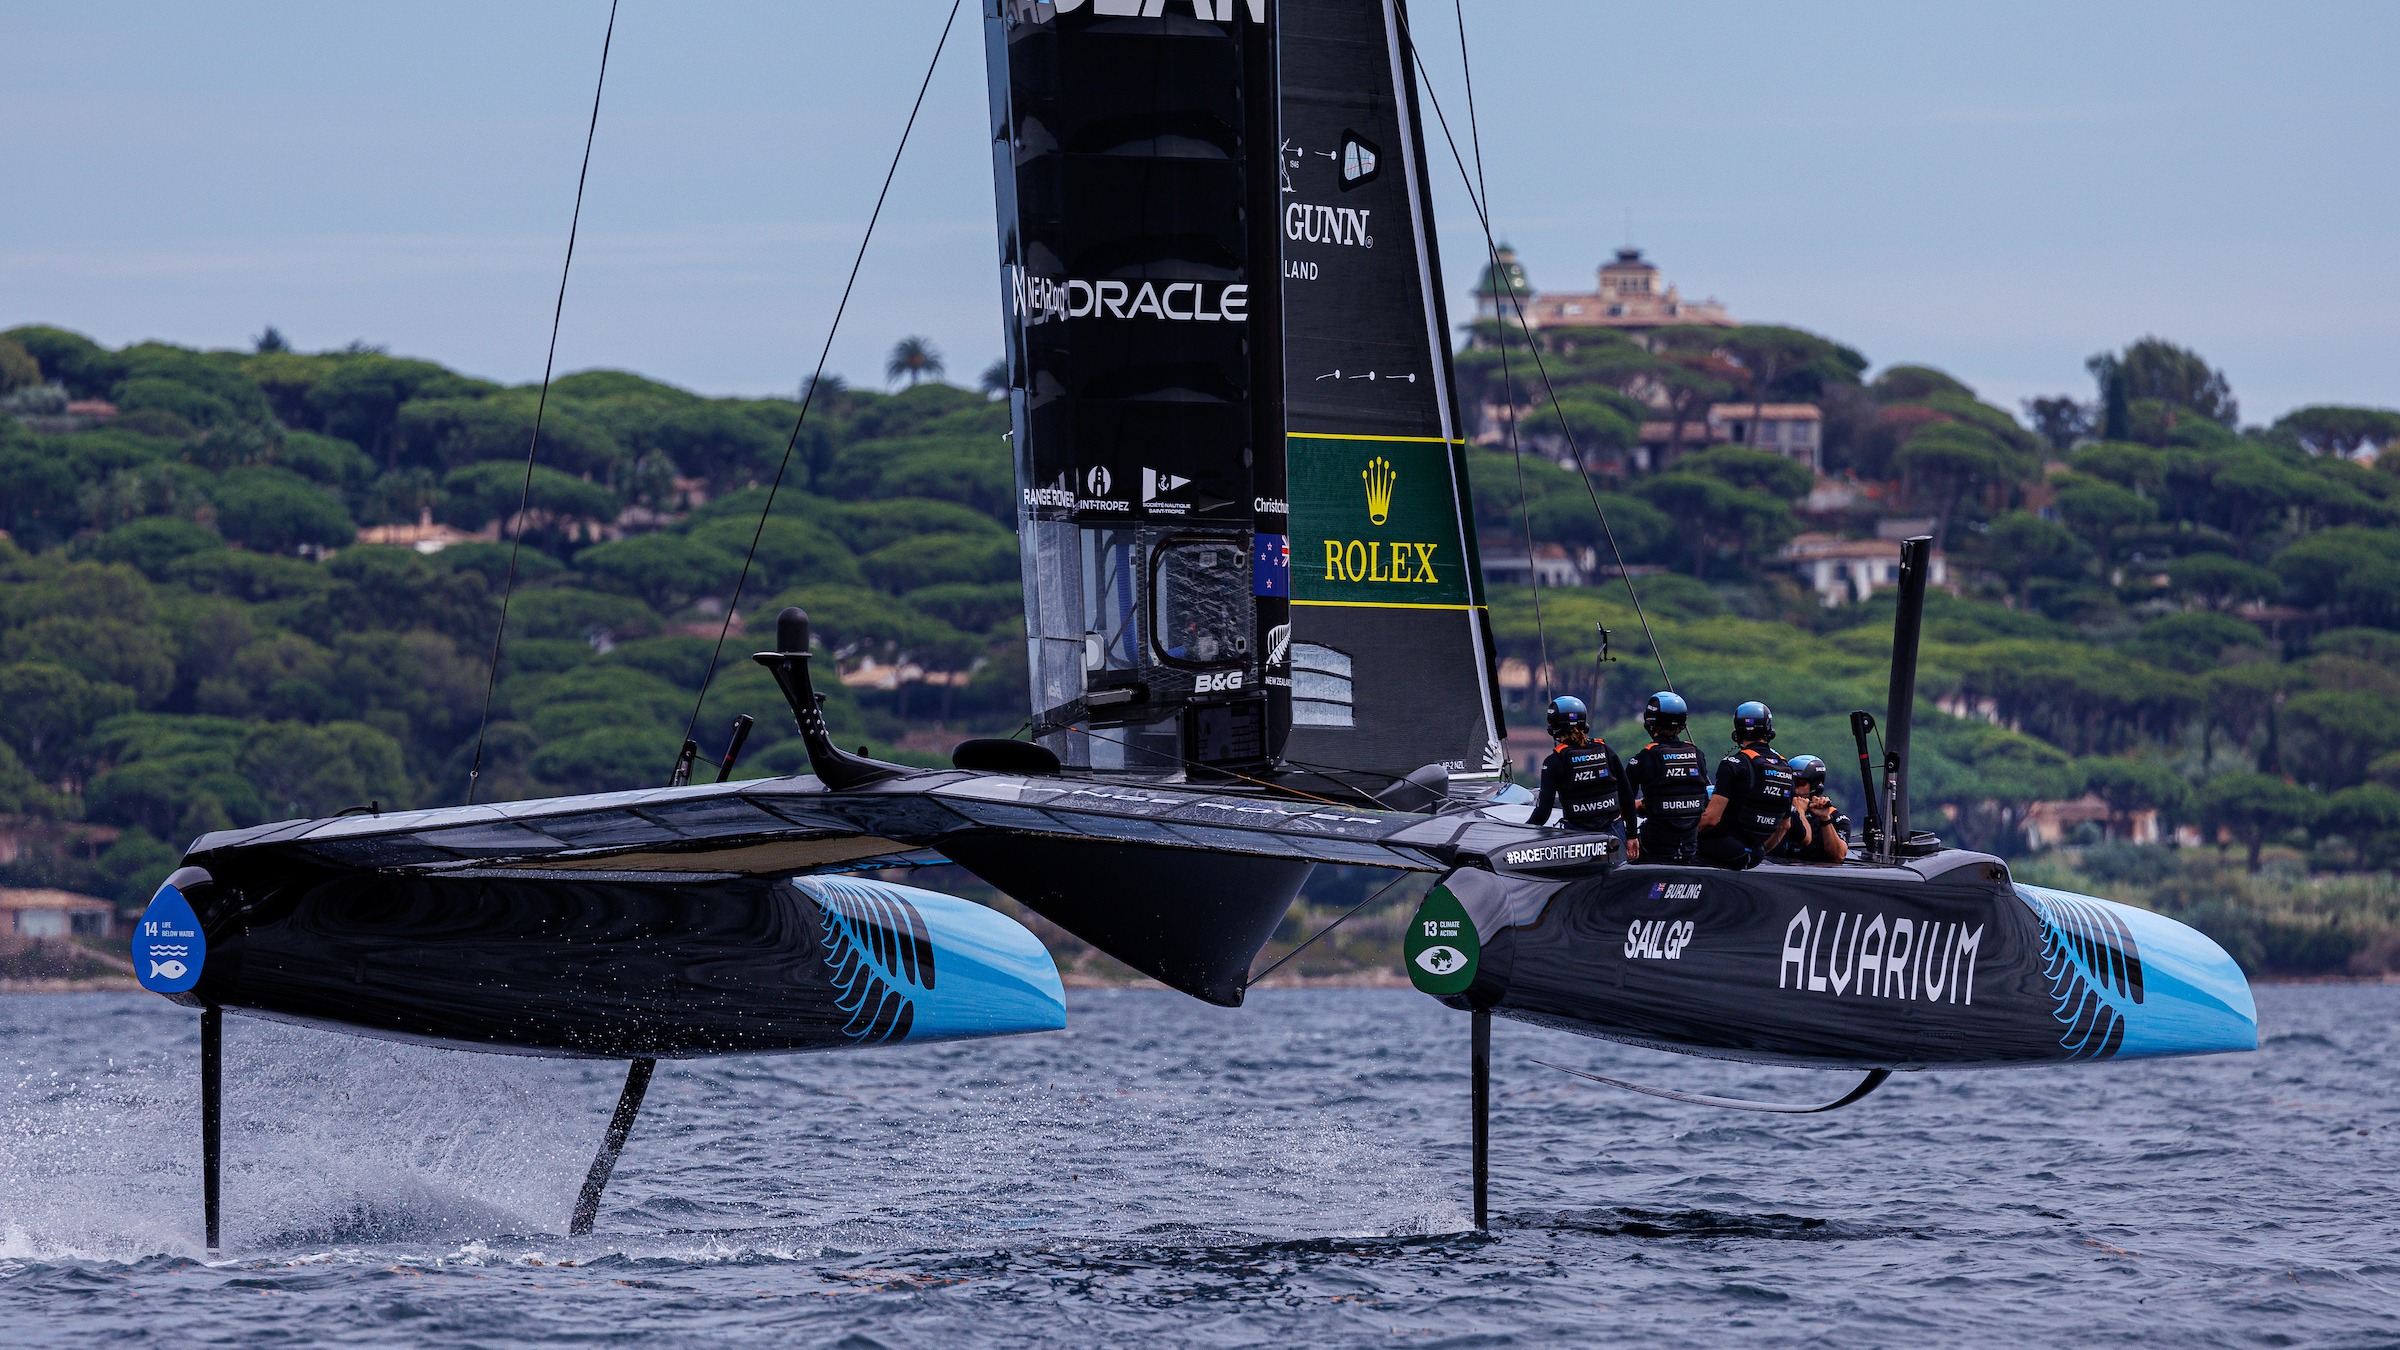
<point x="1753" y="721"/>
<point x="1809" y="769"/>
<point x="1663" y="716"/>
<point x="1568" y="711"/>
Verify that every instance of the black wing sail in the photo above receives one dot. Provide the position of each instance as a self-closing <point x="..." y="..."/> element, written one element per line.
<point x="1391" y="659"/>
<point x="1123" y="137"/>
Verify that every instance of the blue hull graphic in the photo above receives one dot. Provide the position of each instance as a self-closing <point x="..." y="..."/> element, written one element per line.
<point x="2188" y="997"/>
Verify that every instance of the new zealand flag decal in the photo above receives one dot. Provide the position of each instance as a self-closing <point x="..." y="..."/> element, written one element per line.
<point x="1271" y="565"/>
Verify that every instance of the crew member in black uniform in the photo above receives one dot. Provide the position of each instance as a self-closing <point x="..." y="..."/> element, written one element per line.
<point x="1753" y="807"/>
<point x="1818" y="831"/>
<point x="1670" y="782"/>
<point x="1583" y="778"/>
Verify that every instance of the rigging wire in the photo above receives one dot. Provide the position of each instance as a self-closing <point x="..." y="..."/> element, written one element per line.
<point x="1277" y="964"/>
<point x="1516" y="302"/>
<point x="558" y="311"/>
<point x="808" y="396"/>
<point x="1508" y="381"/>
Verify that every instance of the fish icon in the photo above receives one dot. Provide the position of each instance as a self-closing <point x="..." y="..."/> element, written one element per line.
<point x="167" y="970"/>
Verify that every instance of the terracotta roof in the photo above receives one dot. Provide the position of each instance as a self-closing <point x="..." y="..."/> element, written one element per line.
<point x="43" y="897"/>
<point x="1695" y="430"/>
<point x="1777" y="412"/>
<point x="1817" y="545"/>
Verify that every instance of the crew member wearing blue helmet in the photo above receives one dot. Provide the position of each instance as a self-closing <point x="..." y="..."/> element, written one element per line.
<point x="1752" y="810"/>
<point x="1583" y="778"/>
<point x="1670" y="783"/>
<point x="1817" y="830"/>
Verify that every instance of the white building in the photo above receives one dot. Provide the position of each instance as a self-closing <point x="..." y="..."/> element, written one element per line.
<point x="42" y="913"/>
<point x="1844" y="570"/>
<point x="1551" y="565"/>
<point x="1792" y="430"/>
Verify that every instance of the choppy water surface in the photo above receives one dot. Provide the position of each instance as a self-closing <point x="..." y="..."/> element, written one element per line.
<point x="1293" y="1173"/>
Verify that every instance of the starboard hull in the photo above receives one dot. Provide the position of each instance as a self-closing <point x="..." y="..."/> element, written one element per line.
<point x="1946" y="963"/>
<point x="614" y="967"/>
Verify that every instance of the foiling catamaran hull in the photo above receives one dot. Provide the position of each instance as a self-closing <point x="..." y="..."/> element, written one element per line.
<point x="1938" y="961"/>
<point x="610" y="966"/>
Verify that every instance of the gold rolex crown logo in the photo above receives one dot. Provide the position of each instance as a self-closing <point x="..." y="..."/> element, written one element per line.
<point x="1380" y="477"/>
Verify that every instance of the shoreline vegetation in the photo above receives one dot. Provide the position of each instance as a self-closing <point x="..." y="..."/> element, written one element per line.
<point x="244" y="586"/>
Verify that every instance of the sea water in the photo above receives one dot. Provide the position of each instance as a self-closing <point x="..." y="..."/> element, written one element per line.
<point x="1291" y="1173"/>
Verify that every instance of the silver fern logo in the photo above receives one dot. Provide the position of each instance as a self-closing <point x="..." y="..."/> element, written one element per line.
<point x="2094" y="969"/>
<point x="878" y="954"/>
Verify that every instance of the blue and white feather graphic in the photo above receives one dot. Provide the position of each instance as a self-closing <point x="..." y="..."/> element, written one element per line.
<point x="884" y="945"/>
<point x="2094" y="967"/>
<point x="879" y="954"/>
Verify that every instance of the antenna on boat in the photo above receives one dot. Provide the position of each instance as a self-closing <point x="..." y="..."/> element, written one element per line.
<point x="1862" y="725"/>
<point x="733" y="747"/>
<point x="1908" y="626"/>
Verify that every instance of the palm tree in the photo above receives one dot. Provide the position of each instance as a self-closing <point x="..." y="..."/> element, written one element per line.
<point x="994" y="382"/>
<point x="826" y="391"/>
<point x="913" y="359"/>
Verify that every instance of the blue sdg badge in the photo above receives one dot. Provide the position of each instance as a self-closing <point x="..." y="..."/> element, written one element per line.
<point x="168" y="948"/>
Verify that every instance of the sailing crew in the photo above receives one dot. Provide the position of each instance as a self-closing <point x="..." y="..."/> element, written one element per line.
<point x="1670" y="784"/>
<point x="1752" y="808"/>
<point x="1582" y="777"/>
<point x="1817" y="831"/>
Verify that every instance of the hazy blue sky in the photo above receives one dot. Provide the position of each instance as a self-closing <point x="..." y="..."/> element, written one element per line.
<point x="1997" y="190"/>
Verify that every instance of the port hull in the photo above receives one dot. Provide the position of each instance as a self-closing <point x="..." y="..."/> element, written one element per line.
<point x="617" y="968"/>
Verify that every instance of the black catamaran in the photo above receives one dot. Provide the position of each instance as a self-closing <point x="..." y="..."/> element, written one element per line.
<point x="1257" y="639"/>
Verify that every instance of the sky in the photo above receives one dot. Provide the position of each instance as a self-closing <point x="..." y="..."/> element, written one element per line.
<point x="1999" y="191"/>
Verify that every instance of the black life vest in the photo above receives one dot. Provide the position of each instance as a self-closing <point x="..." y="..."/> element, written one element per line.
<point x="1759" y="785"/>
<point x="1673" y="787"/>
<point x="1591" y="791"/>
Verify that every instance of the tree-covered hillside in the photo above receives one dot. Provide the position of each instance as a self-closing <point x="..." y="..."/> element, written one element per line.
<point x="190" y="638"/>
<point x="2189" y="617"/>
<point x="2154" y="604"/>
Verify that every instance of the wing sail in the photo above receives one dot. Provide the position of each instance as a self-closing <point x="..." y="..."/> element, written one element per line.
<point x="1391" y="653"/>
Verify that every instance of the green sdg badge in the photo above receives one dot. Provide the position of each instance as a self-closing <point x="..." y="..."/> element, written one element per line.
<point x="1441" y="946"/>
